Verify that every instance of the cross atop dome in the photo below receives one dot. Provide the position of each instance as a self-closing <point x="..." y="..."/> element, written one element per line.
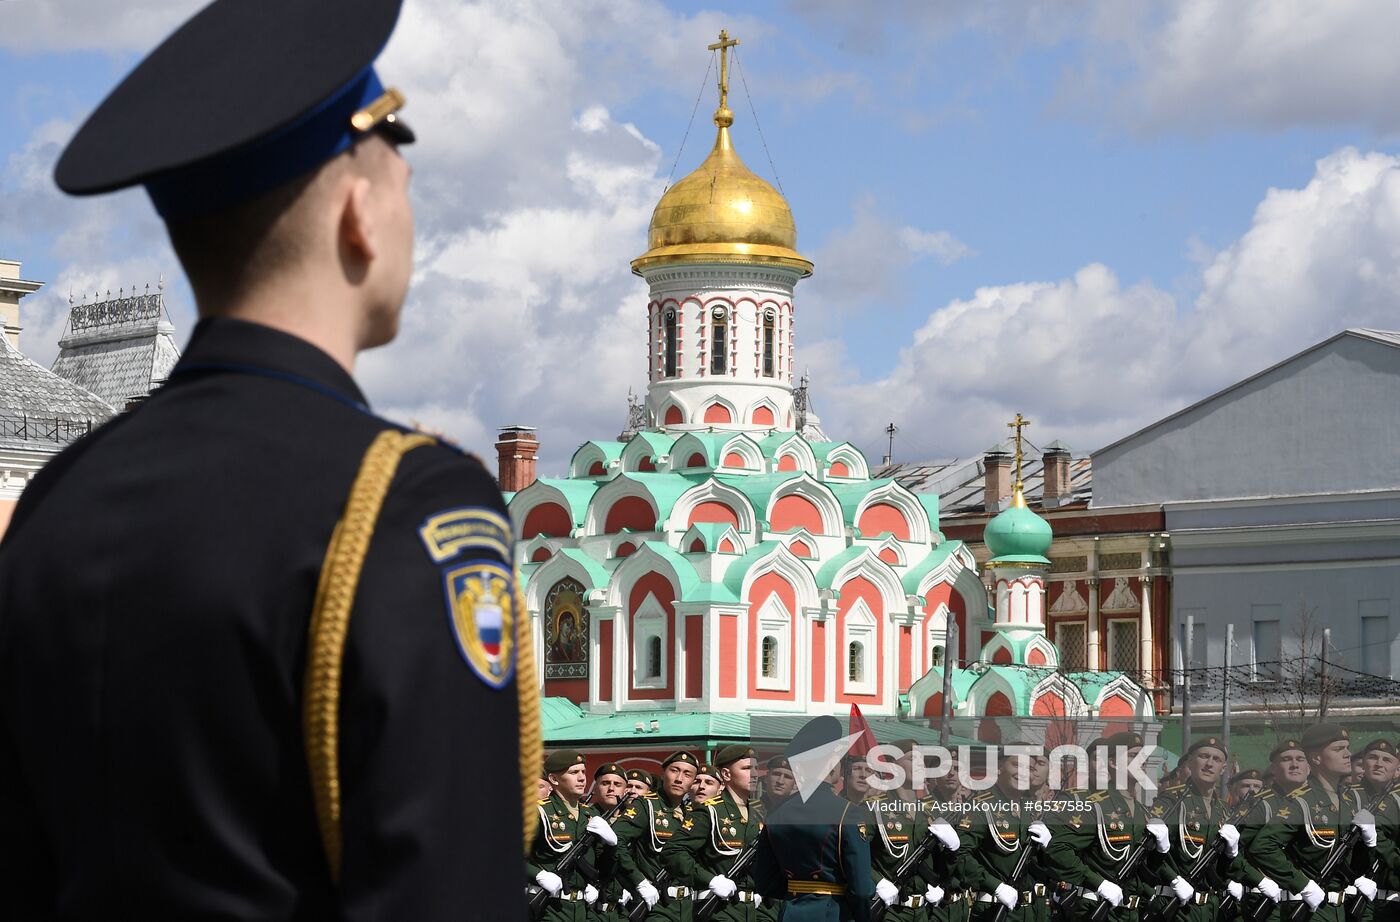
<point x="724" y="116"/>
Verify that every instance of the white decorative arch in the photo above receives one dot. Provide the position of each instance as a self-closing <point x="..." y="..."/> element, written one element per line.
<point x="530" y="547"/>
<point x="1124" y="687"/>
<point x="621" y="486"/>
<point x="1052" y="656"/>
<point x="741" y="545"/>
<point x="806" y="537"/>
<point x="764" y="402"/>
<point x="820" y="495"/>
<point x="587" y="454"/>
<point x="1075" y="705"/>
<point x="712" y="491"/>
<point x="983" y="689"/>
<point x="686" y="446"/>
<point x="674" y="399"/>
<point x="774" y="623"/>
<point x="995" y="646"/>
<point x="798" y="575"/>
<point x="636" y="450"/>
<point x="853" y="458"/>
<point x="900" y="497"/>
<point x="539" y="493"/>
<point x="747" y="449"/>
<point x="801" y="452"/>
<point x="645" y="560"/>
<point x="879" y="573"/>
<point x="717" y="399"/>
<point x="860" y="627"/>
<point x="959" y="569"/>
<point x="890" y="544"/>
<point x="552" y="571"/>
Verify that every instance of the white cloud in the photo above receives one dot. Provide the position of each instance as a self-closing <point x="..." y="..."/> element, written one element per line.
<point x="82" y="25"/>
<point x="1090" y="359"/>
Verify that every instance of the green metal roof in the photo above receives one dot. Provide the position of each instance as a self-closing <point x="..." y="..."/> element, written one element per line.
<point x="734" y="576"/>
<point x="930" y="504"/>
<point x="599" y="574"/>
<point x="611" y="451"/>
<point x="1018" y="535"/>
<point x="850" y="495"/>
<point x="822" y="449"/>
<point x="664" y="488"/>
<point x="710" y="533"/>
<point x="659" y="442"/>
<point x="758" y="488"/>
<point x="935" y="559"/>
<point x="828" y="571"/>
<point x="709" y="443"/>
<point x="685" y="570"/>
<point x="577" y="493"/>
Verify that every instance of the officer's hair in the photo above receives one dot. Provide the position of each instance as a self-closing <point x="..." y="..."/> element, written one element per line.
<point x="227" y="253"/>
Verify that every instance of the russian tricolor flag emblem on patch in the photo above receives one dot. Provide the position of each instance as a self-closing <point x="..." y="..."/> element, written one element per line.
<point x="481" y="606"/>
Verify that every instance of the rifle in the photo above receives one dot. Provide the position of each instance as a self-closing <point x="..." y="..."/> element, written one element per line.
<point x="1209" y="856"/>
<point x="1358" y="901"/>
<point x="1103" y="907"/>
<point x="906" y="867"/>
<point x="638" y="912"/>
<point x="538" y="897"/>
<point x="713" y="902"/>
<point x="1341" y="847"/>
<point x="1016" y="872"/>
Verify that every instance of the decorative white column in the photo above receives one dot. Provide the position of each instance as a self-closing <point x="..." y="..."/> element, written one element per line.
<point x="1145" y="632"/>
<point x="1093" y="629"/>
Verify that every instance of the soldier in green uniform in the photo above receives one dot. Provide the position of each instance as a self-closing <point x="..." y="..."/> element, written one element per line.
<point x="778" y="783"/>
<point x="563" y="820"/>
<point x="1380" y="770"/>
<point x="705" y="785"/>
<point x="1193" y="816"/>
<point x="945" y="799"/>
<point x="713" y="837"/>
<point x="609" y="787"/>
<point x="640" y="781"/>
<point x="897" y="822"/>
<point x="1090" y="848"/>
<point x="1245" y="784"/>
<point x="1003" y="826"/>
<point x="647" y="824"/>
<point x="1288" y="771"/>
<point x="1292" y="848"/>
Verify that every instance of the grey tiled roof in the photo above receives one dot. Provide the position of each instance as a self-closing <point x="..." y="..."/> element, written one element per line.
<point x="119" y="348"/>
<point x="959" y="483"/>
<point x="39" y="407"/>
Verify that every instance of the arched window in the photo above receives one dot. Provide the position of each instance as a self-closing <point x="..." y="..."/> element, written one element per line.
<point x="719" y="342"/>
<point x="937" y="656"/>
<point x="671" y="344"/>
<point x="770" y="657"/>
<point x="653" y="666"/>
<point x="770" y="322"/>
<point x="855" y="662"/>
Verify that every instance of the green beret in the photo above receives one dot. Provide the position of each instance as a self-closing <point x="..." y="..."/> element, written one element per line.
<point x="733" y="753"/>
<point x="609" y="768"/>
<point x="1208" y="742"/>
<point x="1322" y="736"/>
<point x="905" y="745"/>
<point x="779" y="762"/>
<point x="1289" y="745"/>
<point x="1249" y="774"/>
<point x="1126" y="738"/>
<point x="681" y="756"/>
<point x="1006" y="753"/>
<point x="637" y="774"/>
<point x="562" y="761"/>
<point x="707" y="769"/>
<point x="1380" y="746"/>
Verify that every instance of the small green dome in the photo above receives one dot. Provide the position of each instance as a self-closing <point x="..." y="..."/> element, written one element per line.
<point x="1018" y="535"/>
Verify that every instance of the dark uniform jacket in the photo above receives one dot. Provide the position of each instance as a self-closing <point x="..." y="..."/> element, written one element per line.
<point x="1306" y="827"/>
<point x="156" y="584"/>
<point x="1091" y="846"/>
<point x="713" y="836"/>
<point x="556" y="832"/>
<point x="818" y="844"/>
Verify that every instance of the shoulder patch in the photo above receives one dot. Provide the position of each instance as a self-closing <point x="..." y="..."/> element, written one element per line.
<point x="983" y="796"/>
<point x="1299" y="791"/>
<point x="446" y="534"/>
<point x="714" y="801"/>
<point x="481" y="609"/>
<point x="1098" y="797"/>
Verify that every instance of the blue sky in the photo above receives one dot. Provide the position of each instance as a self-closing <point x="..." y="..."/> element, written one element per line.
<point x="1092" y="212"/>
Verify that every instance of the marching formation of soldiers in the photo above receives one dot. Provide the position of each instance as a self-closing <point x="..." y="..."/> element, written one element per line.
<point x="1315" y="834"/>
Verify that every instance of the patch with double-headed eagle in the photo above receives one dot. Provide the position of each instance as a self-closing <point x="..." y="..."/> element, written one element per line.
<point x="481" y="607"/>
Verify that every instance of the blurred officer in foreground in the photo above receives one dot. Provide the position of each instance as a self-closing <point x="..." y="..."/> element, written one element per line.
<point x="254" y="640"/>
<point x="814" y="851"/>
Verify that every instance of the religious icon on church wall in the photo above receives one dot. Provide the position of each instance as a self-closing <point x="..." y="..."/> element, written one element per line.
<point x="566" y="619"/>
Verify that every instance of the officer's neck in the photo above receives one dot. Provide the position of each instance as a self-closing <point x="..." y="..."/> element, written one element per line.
<point x="1329" y="781"/>
<point x="1202" y="788"/>
<point x="569" y="798"/>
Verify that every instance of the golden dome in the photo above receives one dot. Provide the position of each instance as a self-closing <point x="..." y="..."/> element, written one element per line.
<point x="723" y="212"/>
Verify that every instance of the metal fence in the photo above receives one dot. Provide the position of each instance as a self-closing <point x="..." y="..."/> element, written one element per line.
<point x="43" y="429"/>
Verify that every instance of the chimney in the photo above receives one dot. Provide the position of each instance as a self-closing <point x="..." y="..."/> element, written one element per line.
<point x="12" y="288"/>
<point x="1058" y="491"/>
<point x="515" y="453"/>
<point x="996" y="467"/>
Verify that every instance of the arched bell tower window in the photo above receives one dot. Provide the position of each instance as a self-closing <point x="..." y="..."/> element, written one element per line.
<point x="670" y="323"/>
<point x="719" y="342"/>
<point x="770" y="322"/>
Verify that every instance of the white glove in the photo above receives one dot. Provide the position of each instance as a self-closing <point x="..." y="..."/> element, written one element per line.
<point x="722" y="887"/>
<point x="1158" y="830"/>
<point x="933" y="894"/>
<point x="945" y="833"/>
<point x="1366" y="822"/>
<point x="1270" y="889"/>
<point x="1235" y="889"/>
<point x="1312" y="894"/>
<point x="600" y="828"/>
<point x="1110" y="891"/>
<point x="887" y="892"/>
<point x="647" y="891"/>
<point x="590" y="894"/>
<point x="1039" y="832"/>
<point x="757" y="901"/>
<point x="1231" y="837"/>
<point x="625" y="898"/>
<point x="1006" y="895"/>
<point x="550" y="881"/>
<point x="1366" y="886"/>
<point x="1183" y="889"/>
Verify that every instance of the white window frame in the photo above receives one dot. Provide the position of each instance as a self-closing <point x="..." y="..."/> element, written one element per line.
<point x="936" y="635"/>
<point x="775" y="621"/>
<point x="647" y="622"/>
<point x="860" y="627"/>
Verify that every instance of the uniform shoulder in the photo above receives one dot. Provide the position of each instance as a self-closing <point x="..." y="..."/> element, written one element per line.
<point x="1268" y="794"/>
<point x="1301" y="790"/>
<point x="1097" y="797"/>
<point x="984" y="796"/>
<point x="1175" y="789"/>
<point x="713" y="802"/>
<point x="650" y="795"/>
